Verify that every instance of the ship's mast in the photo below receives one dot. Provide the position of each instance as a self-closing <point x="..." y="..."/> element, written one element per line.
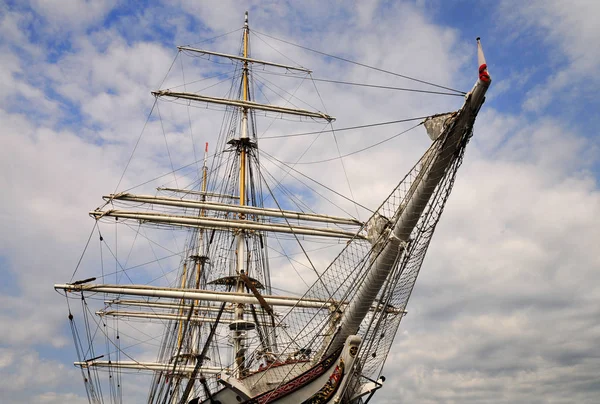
<point x="366" y="293"/>
<point x="200" y="258"/>
<point x="238" y="334"/>
<point x="237" y="213"/>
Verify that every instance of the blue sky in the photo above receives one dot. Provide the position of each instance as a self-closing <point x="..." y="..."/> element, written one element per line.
<point x="506" y="307"/>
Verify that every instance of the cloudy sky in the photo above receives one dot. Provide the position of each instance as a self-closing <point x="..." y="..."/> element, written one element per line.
<point x="507" y="305"/>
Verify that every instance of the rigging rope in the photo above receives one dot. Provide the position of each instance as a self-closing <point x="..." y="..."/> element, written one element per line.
<point x="189" y="120"/>
<point x="316" y="182"/>
<point x="337" y="147"/>
<point x="363" y="149"/>
<point x="361" y="64"/>
<point x="110" y="372"/>
<point x="279" y="185"/>
<point x="117" y="263"/>
<point x="280" y="181"/>
<point x="350" y="83"/>
<point x="277" y="50"/>
<point x="89" y="387"/>
<point x="300" y="205"/>
<point x="216" y="37"/>
<point x="312" y="266"/>
<point x="212" y="156"/>
<point x="84" y="250"/>
<point x="292" y="95"/>
<point x="370" y="125"/>
<point x="145" y="124"/>
<point x="222" y="74"/>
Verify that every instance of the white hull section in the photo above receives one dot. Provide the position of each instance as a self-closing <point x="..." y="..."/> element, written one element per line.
<point x="322" y="383"/>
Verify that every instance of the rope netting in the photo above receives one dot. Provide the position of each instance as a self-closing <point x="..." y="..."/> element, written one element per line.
<point x="310" y="331"/>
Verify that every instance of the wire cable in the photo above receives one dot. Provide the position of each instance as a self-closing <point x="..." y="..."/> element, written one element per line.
<point x="84" y="250"/>
<point x="363" y="149"/>
<point x="369" y="125"/>
<point x="351" y="83"/>
<point x="273" y="158"/>
<point x="361" y="64"/>
<point x="216" y="37"/>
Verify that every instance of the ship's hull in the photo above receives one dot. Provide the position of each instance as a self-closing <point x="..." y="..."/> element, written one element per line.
<point x="318" y="384"/>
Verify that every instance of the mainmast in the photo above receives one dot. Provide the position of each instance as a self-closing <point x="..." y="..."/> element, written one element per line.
<point x="238" y="328"/>
<point x="201" y="305"/>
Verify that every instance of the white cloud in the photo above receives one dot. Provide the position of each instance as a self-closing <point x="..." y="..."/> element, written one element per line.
<point x="570" y="30"/>
<point x="57" y="398"/>
<point x="72" y="14"/>
<point x="28" y="378"/>
<point x="505" y="309"/>
<point x="502" y="311"/>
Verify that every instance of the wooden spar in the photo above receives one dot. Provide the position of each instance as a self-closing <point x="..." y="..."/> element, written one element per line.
<point x="162" y="305"/>
<point x="169" y="316"/>
<point x="152" y="366"/>
<point x="193" y="294"/>
<point x="201" y="309"/>
<point x="224" y="207"/>
<point x="243" y="59"/>
<point x="243" y="104"/>
<point x="192" y="192"/>
<point x="216" y="223"/>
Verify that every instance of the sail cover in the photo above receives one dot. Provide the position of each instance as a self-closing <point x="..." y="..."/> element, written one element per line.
<point x="435" y="124"/>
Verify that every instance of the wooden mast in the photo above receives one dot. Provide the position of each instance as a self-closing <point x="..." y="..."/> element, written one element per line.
<point x="238" y="327"/>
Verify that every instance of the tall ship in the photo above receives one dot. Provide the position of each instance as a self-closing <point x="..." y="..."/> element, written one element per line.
<point x="207" y="323"/>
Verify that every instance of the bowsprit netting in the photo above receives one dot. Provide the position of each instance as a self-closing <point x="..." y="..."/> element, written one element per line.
<point x="312" y="330"/>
